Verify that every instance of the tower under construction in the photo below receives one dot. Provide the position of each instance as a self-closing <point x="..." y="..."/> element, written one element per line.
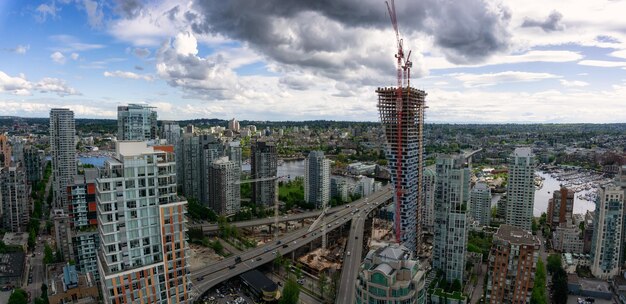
<point x="402" y="118"/>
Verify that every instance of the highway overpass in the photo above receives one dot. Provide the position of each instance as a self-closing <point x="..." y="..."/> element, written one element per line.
<point x="268" y="221"/>
<point x="207" y="277"/>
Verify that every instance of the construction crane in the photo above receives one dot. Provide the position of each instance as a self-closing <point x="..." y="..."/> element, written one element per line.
<point x="403" y="70"/>
<point x="267" y="179"/>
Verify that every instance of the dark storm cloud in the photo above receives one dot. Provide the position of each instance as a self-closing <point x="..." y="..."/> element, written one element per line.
<point x="141" y="52"/>
<point x="298" y="31"/>
<point x="551" y="24"/>
<point x="129" y="8"/>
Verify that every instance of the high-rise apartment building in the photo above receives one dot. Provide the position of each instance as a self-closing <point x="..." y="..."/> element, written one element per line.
<point x="233" y="151"/>
<point x="143" y="256"/>
<point x="33" y="163"/>
<point x="452" y="196"/>
<point x="15" y="199"/>
<point x="317" y="179"/>
<point x="620" y="180"/>
<point x="136" y="122"/>
<point x="511" y="265"/>
<point x="560" y="208"/>
<point x="606" y="246"/>
<point x="5" y="151"/>
<point x="480" y="204"/>
<point x="521" y="189"/>
<point x="194" y="158"/>
<point x="428" y="210"/>
<point x="264" y="164"/>
<point x="233" y="125"/>
<point x="405" y="156"/>
<point x="170" y="131"/>
<point x="83" y="222"/>
<point x="224" y="190"/>
<point x="390" y="274"/>
<point x="63" y="154"/>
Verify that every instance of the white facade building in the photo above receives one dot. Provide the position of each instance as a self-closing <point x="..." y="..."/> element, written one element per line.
<point x="606" y="246"/>
<point x="480" y="204"/>
<point x="521" y="189"/>
<point x="143" y="256"/>
<point x="63" y="154"/>
<point x="317" y="179"/>
<point x="136" y="122"/>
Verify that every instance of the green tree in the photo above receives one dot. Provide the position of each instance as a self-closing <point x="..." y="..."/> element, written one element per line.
<point x="538" y="295"/>
<point x="48" y="255"/>
<point x="18" y="296"/>
<point x="322" y="283"/>
<point x="456" y="285"/>
<point x="554" y="263"/>
<point x="44" y="293"/>
<point x="218" y="247"/>
<point x="559" y="286"/>
<point x="291" y="292"/>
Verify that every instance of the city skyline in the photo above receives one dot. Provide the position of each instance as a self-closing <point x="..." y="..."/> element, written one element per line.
<point x="550" y="63"/>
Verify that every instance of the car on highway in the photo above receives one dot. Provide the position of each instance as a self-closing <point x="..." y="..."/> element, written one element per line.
<point x="348" y="253"/>
<point x="238" y="259"/>
<point x="199" y="279"/>
<point x="328" y="225"/>
<point x="231" y="267"/>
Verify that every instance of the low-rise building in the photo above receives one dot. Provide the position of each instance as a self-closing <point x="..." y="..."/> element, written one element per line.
<point x="70" y="286"/>
<point x="588" y="287"/>
<point x="16" y="239"/>
<point x="361" y="168"/>
<point x="12" y="268"/>
<point x="568" y="239"/>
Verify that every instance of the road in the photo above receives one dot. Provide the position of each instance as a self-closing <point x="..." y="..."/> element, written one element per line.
<point x="34" y="264"/>
<point x="268" y="220"/>
<point x="206" y="278"/>
<point x="352" y="262"/>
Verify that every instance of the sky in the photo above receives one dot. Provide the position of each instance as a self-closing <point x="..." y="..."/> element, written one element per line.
<point x="480" y="61"/>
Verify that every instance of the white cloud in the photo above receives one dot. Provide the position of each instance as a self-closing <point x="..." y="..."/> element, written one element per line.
<point x="201" y="77"/>
<point x="94" y="13"/>
<point x="19" y="85"/>
<point x="434" y="63"/>
<point x="603" y="63"/>
<point x="72" y="44"/>
<point x="489" y="79"/>
<point x="21" y="49"/>
<point x="74" y="56"/>
<point x="573" y="83"/>
<point x="45" y="10"/>
<point x="127" y="75"/>
<point x="619" y="54"/>
<point x="58" y="57"/>
<point x="185" y="44"/>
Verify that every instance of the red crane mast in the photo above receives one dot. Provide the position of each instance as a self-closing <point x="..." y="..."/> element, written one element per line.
<point x="403" y="69"/>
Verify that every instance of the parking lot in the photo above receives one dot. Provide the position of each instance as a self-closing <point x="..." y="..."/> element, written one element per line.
<point x="231" y="292"/>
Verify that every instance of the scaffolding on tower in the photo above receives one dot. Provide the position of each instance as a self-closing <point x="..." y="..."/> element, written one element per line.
<point x="401" y="112"/>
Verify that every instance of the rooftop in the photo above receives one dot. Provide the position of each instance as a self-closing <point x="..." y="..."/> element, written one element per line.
<point x="15" y="238"/>
<point x="259" y="281"/>
<point x="11" y="264"/>
<point x="516" y="235"/>
<point x="523" y="152"/>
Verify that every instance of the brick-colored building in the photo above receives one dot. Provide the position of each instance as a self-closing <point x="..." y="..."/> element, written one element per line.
<point x="512" y="263"/>
<point x="560" y="208"/>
